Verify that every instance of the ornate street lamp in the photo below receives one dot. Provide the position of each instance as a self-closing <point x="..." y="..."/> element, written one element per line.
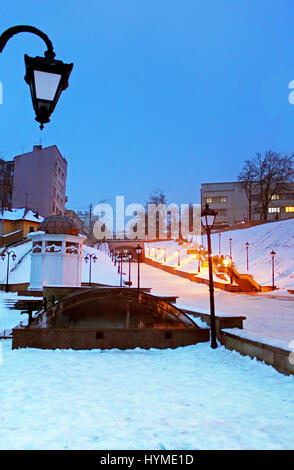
<point x="178" y="254"/>
<point x="247" y="255"/>
<point x="46" y="76"/>
<point x="208" y="218"/>
<point x="230" y="242"/>
<point x="164" y="254"/>
<point x="8" y="253"/>
<point x="129" y="257"/>
<point x="120" y="258"/>
<point x="273" y="254"/>
<point x="138" y="251"/>
<point x="90" y="257"/>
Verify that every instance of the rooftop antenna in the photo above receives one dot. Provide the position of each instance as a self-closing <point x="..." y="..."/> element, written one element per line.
<point x="22" y="148"/>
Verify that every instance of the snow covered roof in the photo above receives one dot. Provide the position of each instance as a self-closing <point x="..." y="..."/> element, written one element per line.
<point x="21" y="214"/>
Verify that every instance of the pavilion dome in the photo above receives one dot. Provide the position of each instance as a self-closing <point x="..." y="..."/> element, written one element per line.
<point x="59" y="224"/>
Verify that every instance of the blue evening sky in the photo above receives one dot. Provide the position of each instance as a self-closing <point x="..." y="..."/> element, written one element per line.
<point x="164" y="93"/>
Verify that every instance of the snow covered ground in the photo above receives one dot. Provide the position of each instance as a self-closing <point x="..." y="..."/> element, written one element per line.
<point x="188" y="398"/>
<point x="262" y="239"/>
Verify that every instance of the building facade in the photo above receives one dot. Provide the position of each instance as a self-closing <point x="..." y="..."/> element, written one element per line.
<point x="231" y="203"/>
<point x="39" y="181"/>
<point x="6" y="183"/>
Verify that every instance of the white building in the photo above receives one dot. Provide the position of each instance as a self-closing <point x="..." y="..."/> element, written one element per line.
<point x="56" y="257"/>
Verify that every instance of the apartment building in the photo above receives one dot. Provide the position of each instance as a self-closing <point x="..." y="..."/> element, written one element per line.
<point x="39" y="181"/>
<point x="230" y="201"/>
<point x="6" y="183"/>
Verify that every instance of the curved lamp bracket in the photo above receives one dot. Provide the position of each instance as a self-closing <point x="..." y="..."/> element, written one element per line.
<point x="4" y="38"/>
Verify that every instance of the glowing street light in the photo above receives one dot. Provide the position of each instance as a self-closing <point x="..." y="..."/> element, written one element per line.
<point x="247" y="255"/>
<point x="273" y="254"/>
<point x="178" y="253"/>
<point x="139" y="252"/>
<point x="230" y="242"/>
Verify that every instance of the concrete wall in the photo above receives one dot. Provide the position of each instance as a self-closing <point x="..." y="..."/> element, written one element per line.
<point x="271" y="355"/>
<point x="45" y="338"/>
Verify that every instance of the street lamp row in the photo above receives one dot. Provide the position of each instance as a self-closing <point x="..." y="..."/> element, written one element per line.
<point x="124" y="255"/>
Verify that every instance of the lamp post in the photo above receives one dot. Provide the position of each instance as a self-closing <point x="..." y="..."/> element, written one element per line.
<point x="178" y="253"/>
<point x="247" y="255"/>
<point x="227" y="262"/>
<point x="46" y="76"/>
<point x="8" y="253"/>
<point x="230" y="242"/>
<point x="199" y="261"/>
<point x="164" y="254"/>
<point x="197" y="257"/>
<point x="219" y="243"/>
<point x="207" y="218"/>
<point x="90" y="257"/>
<point x="139" y="251"/>
<point x="130" y="257"/>
<point x="273" y="254"/>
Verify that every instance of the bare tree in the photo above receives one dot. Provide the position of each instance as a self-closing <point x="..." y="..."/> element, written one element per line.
<point x="157" y="199"/>
<point x="266" y="175"/>
<point x="247" y="177"/>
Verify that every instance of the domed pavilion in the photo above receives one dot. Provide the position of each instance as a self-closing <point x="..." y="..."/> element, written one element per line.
<point x="56" y="256"/>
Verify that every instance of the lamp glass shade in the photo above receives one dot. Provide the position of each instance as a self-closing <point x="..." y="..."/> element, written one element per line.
<point x="138" y="250"/>
<point x="46" y="85"/>
<point x="208" y="217"/>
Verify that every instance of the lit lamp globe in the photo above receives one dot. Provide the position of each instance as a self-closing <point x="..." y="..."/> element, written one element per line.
<point x="208" y="216"/>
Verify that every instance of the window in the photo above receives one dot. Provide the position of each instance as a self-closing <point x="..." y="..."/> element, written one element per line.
<point x="72" y="248"/>
<point x="53" y="247"/>
<point x="31" y="229"/>
<point x="37" y="247"/>
<point x="289" y="209"/>
<point x="216" y="199"/>
<point x="288" y="196"/>
<point x="272" y="210"/>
